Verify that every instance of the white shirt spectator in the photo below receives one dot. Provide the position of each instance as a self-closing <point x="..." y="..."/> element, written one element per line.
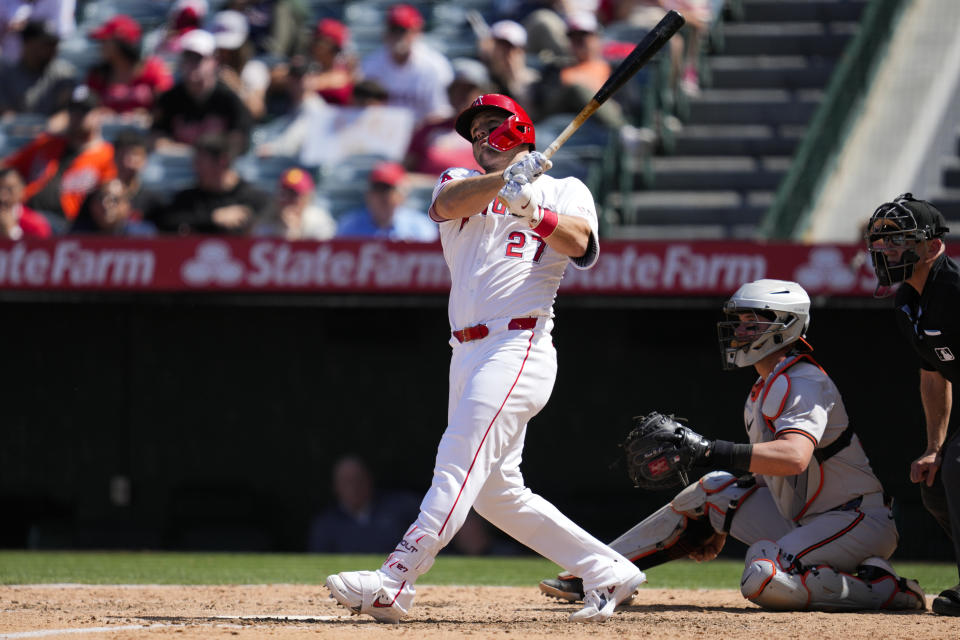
<point x="58" y="14"/>
<point x="419" y="85"/>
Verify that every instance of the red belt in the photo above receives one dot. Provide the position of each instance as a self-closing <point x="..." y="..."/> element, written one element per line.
<point x="480" y="331"/>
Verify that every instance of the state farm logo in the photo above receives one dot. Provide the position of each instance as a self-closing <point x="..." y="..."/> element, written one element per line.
<point x="827" y="269"/>
<point x="212" y="264"/>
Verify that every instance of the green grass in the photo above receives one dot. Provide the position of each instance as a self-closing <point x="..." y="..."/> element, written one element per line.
<point x="34" y="567"/>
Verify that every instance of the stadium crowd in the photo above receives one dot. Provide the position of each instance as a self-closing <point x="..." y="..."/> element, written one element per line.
<point x="275" y="117"/>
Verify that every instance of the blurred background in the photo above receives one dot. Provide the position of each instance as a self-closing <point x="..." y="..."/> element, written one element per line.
<point x="185" y="410"/>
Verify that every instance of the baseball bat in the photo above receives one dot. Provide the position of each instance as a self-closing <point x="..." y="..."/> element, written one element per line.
<point x="641" y="54"/>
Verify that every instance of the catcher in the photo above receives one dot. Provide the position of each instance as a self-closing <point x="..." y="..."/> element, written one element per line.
<point x="801" y="494"/>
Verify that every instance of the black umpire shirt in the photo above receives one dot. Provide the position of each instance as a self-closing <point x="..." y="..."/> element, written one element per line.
<point x="931" y="321"/>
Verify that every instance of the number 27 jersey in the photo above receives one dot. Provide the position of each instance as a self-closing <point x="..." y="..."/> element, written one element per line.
<point x="499" y="267"/>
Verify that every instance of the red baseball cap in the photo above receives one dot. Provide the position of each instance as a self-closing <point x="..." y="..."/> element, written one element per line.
<point x="389" y="173"/>
<point x="404" y="16"/>
<point x="333" y="30"/>
<point x="119" y="27"/>
<point x="296" y="180"/>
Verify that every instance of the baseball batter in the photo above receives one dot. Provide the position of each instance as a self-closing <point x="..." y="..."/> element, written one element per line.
<point x="507" y="233"/>
<point x="802" y="494"/>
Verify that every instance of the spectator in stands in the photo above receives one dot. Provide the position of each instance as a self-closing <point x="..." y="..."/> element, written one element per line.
<point x="414" y="74"/>
<point x="131" y="150"/>
<point x="221" y="201"/>
<point x="436" y="146"/>
<point x="363" y="520"/>
<point x="504" y="53"/>
<point x="107" y="211"/>
<point x="302" y="107"/>
<point x="332" y="73"/>
<point x="61" y="169"/>
<point x="546" y="29"/>
<point x="384" y="215"/>
<point x="38" y="82"/>
<point x="16" y="219"/>
<point x="576" y="82"/>
<point x="57" y="17"/>
<point x="368" y="93"/>
<point x="645" y="14"/>
<point x="239" y="70"/>
<point x="126" y="82"/>
<point x="277" y="27"/>
<point x="199" y="103"/>
<point x="294" y="214"/>
<point x="184" y="16"/>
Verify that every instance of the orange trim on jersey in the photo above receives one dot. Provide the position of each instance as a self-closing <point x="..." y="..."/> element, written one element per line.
<point x="811" y="500"/>
<point x="783" y="432"/>
<point x="840" y="533"/>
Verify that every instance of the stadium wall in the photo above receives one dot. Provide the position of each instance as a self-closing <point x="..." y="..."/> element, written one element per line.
<point x="212" y="422"/>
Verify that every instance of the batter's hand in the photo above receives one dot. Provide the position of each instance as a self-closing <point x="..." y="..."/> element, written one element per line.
<point x="529" y="167"/>
<point x="710" y="549"/>
<point x="924" y="468"/>
<point x="524" y="200"/>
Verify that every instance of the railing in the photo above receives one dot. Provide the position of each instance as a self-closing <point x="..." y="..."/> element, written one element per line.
<point x="790" y="212"/>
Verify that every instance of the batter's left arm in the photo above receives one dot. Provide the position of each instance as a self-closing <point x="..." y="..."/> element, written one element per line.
<point x="571" y="237"/>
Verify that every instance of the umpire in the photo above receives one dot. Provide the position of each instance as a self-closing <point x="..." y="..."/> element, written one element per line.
<point x="905" y="242"/>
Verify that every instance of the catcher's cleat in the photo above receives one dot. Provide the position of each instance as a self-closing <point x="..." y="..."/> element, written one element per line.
<point x="566" y="588"/>
<point x="372" y="593"/>
<point x="948" y="602"/>
<point x="599" y="604"/>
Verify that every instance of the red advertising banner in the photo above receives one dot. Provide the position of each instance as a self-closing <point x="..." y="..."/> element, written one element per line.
<point x="199" y="263"/>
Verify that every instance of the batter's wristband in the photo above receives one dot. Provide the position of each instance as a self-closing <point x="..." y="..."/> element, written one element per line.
<point x="730" y="455"/>
<point x="548" y="224"/>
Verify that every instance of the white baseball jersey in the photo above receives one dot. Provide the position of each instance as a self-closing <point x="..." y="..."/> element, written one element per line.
<point x="499" y="267"/>
<point x="500" y="380"/>
<point x="420" y="84"/>
<point x="799" y="397"/>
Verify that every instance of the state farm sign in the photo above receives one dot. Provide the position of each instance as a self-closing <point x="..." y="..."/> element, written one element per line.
<point x="249" y="264"/>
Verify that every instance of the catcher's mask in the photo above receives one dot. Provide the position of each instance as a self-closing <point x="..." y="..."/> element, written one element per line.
<point x="893" y="234"/>
<point x="515" y="130"/>
<point x="760" y="318"/>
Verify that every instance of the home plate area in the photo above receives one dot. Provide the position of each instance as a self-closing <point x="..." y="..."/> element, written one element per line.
<point x="306" y="611"/>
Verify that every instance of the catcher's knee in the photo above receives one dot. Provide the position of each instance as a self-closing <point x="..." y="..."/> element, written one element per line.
<point x="717" y="495"/>
<point x="766" y="583"/>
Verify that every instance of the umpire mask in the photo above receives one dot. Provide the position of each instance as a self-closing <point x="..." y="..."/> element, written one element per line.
<point x="893" y="234"/>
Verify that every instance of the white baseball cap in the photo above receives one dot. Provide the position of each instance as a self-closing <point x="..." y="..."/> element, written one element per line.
<point x="230" y="29"/>
<point x="198" y="41"/>
<point x="583" y="21"/>
<point x="512" y="32"/>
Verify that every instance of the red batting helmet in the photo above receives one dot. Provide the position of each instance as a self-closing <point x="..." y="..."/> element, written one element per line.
<point x="516" y="129"/>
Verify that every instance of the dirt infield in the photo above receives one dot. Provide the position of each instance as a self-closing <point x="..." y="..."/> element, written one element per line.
<point x="298" y="611"/>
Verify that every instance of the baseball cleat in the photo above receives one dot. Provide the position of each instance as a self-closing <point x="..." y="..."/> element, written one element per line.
<point x="948" y="602"/>
<point x="599" y="604"/>
<point x="371" y="593"/>
<point x="566" y="588"/>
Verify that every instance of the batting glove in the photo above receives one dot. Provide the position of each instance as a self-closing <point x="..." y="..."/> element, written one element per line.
<point x="530" y="167"/>
<point x="523" y="200"/>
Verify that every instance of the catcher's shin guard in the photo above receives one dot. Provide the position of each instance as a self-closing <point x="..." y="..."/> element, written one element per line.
<point x="823" y="588"/>
<point x="682" y="527"/>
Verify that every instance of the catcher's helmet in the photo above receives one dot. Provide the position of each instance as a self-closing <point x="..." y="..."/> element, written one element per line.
<point x="781" y="315"/>
<point x="516" y="129"/>
<point x="893" y="233"/>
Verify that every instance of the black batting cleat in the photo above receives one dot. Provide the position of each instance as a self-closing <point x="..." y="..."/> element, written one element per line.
<point x="566" y="588"/>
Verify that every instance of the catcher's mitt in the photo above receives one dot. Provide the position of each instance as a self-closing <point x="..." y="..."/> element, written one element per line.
<point x="661" y="452"/>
